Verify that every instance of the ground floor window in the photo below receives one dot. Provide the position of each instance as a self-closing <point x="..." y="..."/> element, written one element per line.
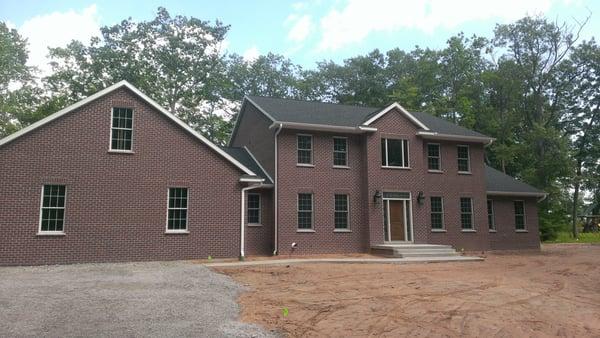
<point x="341" y="211"/>
<point x="177" y="210"/>
<point x="52" y="212"/>
<point x="519" y="215"/>
<point x="490" y="210"/>
<point x="466" y="213"/>
<point x="437" y="212"/>
<point x="305" y="211"/>
<point x="253" y="208"/>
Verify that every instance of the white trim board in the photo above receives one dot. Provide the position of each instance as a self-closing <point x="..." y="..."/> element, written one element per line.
<point x="402" y="110"/>
<point x="144" y="97"/>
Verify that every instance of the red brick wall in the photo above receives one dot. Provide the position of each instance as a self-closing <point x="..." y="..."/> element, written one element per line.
<point x="505" y="237"/>
<point x="259" y="239"/>
<point x="116" y="203"/>
<point x="323" y="181"/>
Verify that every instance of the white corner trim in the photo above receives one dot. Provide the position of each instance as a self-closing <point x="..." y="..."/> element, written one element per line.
<point x="402" y="110"/>
<point x="259" y="165"/>
<point x="144" y="97"/>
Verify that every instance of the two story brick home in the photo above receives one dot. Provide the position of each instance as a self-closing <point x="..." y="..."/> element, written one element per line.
<point x="116" y="177"/>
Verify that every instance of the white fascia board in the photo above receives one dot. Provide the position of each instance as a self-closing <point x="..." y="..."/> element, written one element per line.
<point x="438" y="136"/>
<point x="144" y="97"/>
<point x="322" y="127"/>
<point x="509" y="193"/>
<point x="252" y="179"/>
<point x="402" y="110"/>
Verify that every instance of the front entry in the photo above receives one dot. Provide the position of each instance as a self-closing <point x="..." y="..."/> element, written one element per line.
<point x="397" y="217"/>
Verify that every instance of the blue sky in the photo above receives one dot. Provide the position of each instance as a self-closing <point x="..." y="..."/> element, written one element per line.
<point x="305" y="31"/>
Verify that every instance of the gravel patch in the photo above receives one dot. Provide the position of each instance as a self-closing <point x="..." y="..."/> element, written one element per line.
<point x="157" y="299"/>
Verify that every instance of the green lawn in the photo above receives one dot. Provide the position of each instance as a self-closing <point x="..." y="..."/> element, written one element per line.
<point x="566" y="237"/>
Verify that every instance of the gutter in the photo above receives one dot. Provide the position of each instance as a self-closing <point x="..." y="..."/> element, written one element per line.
<point x="323" y="127"/>
<point x="437" y="136"/>
<point x="540" y="195"/>
<point x="275" y="182"/>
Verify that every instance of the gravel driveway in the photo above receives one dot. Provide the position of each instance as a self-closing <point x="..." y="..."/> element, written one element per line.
<point x="162" y="299"/>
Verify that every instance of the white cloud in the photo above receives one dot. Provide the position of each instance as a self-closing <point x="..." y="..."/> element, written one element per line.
<point x="301" y="28"/>
<point x="10" y="25"/>
<point x="359" y="18"/>
<point x="251" y="54"/>
<point x="57" y="29"/>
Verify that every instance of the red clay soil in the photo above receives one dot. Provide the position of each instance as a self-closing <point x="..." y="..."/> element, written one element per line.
<point x="552" y="293"/>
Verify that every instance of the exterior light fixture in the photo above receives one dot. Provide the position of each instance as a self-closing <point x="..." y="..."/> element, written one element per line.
<point x="377" y="196"/>
<point x="420" y="198"/>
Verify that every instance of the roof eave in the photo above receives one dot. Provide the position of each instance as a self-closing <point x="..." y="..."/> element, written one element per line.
<point x="323" y="127"/>
<point x="450" y="137"/>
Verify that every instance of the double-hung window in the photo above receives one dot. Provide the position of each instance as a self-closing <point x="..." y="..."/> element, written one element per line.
<point x="121" y="129"/>
<point x="394" y="153"/>
<point x="437" y="213"/>
<point x="52" y="213"/>
<point x="177" y="210"/>
<point x="462" y="154"/>
<point x="253" y="208"/>
<point x="341" y="211"/>
<point x="433" y="157"/>
<point x="466" y="213"/>
<point x="519" y="215"/>
<point x="491" y="220"/>
<point x="340" y="151"/>
<point x="304" y="143"/>
<point x="305" y="211"/>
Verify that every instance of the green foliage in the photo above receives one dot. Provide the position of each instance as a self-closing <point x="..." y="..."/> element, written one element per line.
<point x="567" y="237"/>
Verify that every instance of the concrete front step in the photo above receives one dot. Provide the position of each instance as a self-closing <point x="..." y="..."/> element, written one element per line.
<point x="414" y="250"/>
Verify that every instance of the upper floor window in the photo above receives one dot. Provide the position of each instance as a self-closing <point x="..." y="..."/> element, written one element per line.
<point x="177" y="210"/>
<point x="519" y="215"/>
<point x="394" y="153"/>
<point x="253" y="208"/>
<point x="341" y="211"/>
<point x="490" y="210"/>
<point x="305" y="211"/>
<point x="304" y="149"/>
<point x="463" y="157"/>
<point x="52" y="216"/>
<point x="121" y="129"/>
<point x="466" y="213"/>
<point x="433" y="156"/>
<point x="340" y="151"/>
<point x="437" y="212"/>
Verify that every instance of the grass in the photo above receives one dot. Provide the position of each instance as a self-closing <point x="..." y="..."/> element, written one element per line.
<point x="566" y="237"/>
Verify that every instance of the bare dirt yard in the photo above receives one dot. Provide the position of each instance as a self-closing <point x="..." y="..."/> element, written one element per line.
<point x="552" y="293"/>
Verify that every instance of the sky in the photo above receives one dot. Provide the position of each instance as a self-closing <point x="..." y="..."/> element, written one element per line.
<point x="305" y="31"/>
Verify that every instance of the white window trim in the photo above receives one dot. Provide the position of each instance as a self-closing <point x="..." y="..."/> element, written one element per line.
<point x="493" y="228"/>
<point x="524" y="217"/>
<point x="403" y="149"/>
<point x="312" y="148"/>
<point x="187" y="218"/>
<point x="259" y="223"/>
<point x="312" y="212"/>
<point x="347" y="228"/>
<point x="443" y="228"/>
<point x="439" y="157"/>
<point x="345" y="166"/>
<point x="112" y="113"/>
<point x="472" y="228"/>
<point x="468" y="158"/>
<point x="52" y="233"/>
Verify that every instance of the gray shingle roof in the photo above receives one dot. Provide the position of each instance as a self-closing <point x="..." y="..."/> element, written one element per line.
<point x="242" y="156"/>
<point x="288" y="110"/>
<point x="500" y="182"/>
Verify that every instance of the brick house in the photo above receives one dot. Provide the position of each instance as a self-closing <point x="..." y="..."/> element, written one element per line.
<point x="115" y="177"/>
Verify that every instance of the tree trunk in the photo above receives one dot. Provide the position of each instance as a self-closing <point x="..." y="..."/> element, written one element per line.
<point x="576" y="199"/>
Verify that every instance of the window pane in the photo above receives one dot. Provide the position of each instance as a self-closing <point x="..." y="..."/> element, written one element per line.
<point x="304" y="202"/>
<point x="339" y="144"/>
<point x="339" y="151"/>
<point x="466" y="222"/>
<point x="304" y="211"/>
<point x="466" y="216"/>
<point x="394" y="153"/>
<point x="304" y="156"/>
<point x="53" y="204"/>
<point x="177" y="213"/>
<point x="436" y="221"/>
<point x="405" y="153"/>
<point x="463" y="158"/>
<point x="519" y="215"/>
<point x="490" y="210"/>
<point x="433" y="156"/>
<point x="383" y="152"/>
<point x="436" y="204"/>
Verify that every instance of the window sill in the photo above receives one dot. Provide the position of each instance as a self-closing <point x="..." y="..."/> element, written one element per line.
<point x="174" y="232"/>
<point x="305" y="230"/>
<point x="435" y="171"/>
<point x="50" y="233"/>
<point x="341" y="167"/>
<point x="468" y="230"/>
<point x="305" y="165"/>
<point x="465" y="173"/>
<point x="393" y="167"/>
<point x="254" y="225"/>
<point x="342" y="230"/>
<point x="121" y="152"/>
<point x="493" y="231"/>
<point x="524" y="231"/>
<point x="438" y="230"/>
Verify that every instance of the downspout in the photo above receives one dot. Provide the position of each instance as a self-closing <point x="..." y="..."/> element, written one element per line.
<point x="542" y="198"/>
<point x="275" y="225"/>
<point x="243" y="213"/>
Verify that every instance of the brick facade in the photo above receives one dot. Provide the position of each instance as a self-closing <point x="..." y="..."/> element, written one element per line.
<point x="505" y="237"/>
